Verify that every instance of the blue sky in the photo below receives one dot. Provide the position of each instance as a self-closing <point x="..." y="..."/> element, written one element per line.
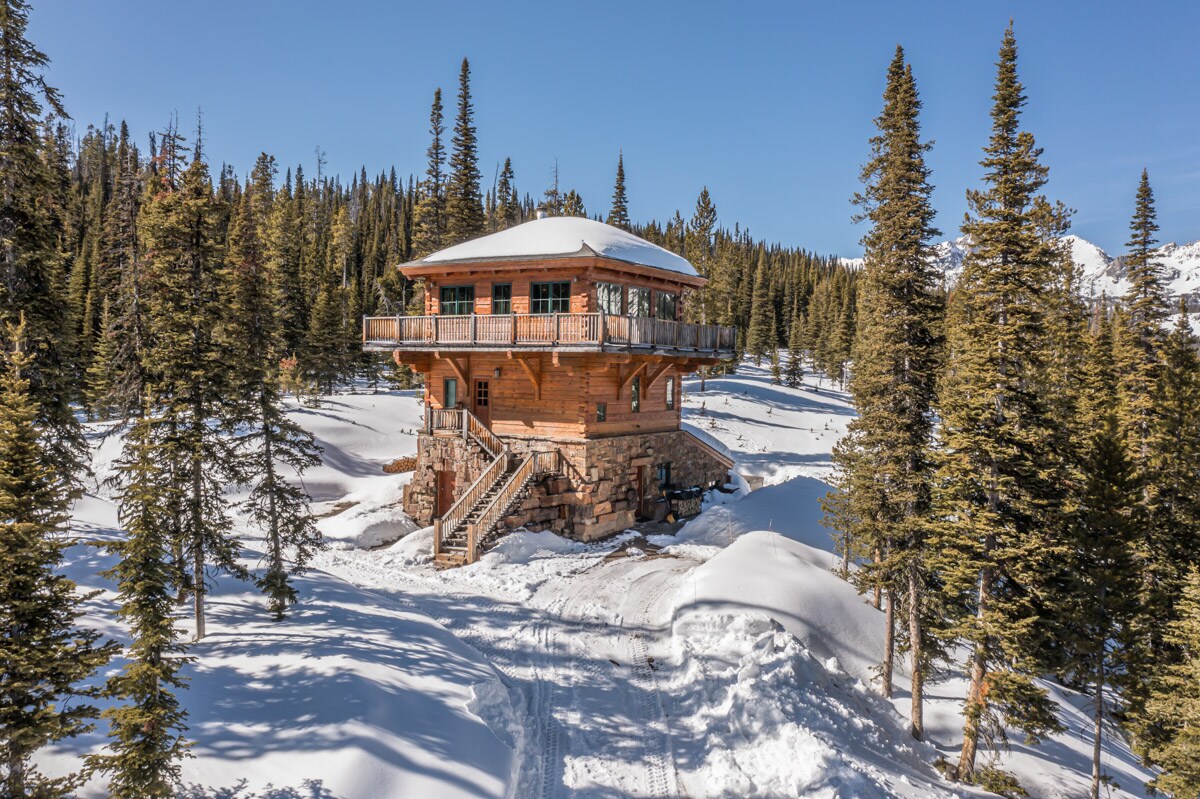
<point x="769" y="104"/>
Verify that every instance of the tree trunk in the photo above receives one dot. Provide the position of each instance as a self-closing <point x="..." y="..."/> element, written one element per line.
<point x="889" y="646"/>
<point x="198" y="587"/>
<point x="965" y="772"/>
<point x="916" y="653"/>
<point x="877" y="597"/>
<point x="1098" y="714"/>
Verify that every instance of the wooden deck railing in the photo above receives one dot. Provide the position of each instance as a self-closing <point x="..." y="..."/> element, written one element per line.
<point x="463" y="421"/>
<point x="532" y="465"/>
<point x="545" y="330"/>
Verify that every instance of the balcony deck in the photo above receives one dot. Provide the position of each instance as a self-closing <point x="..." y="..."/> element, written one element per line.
<point x="575" y="332"/>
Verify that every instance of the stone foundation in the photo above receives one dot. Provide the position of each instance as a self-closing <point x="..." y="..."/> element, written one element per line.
<point x="596" y="495"/>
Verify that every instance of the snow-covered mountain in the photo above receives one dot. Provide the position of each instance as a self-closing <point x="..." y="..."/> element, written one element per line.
<point x="1101" y="272"/>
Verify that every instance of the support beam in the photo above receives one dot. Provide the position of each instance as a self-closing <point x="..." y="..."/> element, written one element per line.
<point x="534" y="375"/>
<point x="462" y="368"/>
<point x="625" y="378"/>
<point x="652" y="376"/>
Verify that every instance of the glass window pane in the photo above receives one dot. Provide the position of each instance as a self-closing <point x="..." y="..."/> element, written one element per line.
<point x="636" y="394"/>
<point x="671" y="394"/>
<point x="550" y="297"/>
<point x="639" y="302"/>
<point x="450" y="393"/>
<point x="608" y="298"/>
<point x="502" y="298"/>
<point x="457" y="300"/>
<point x="665" y="305"/>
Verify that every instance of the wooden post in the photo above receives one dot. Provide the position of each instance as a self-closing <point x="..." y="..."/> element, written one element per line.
<point x="603" y="327"/>
<point x="435" y="329"/>
<point x="473" y="329"/>
<point x="437" y="537"/>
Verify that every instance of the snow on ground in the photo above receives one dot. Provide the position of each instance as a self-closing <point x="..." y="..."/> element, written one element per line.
<point x="732" y="663"/>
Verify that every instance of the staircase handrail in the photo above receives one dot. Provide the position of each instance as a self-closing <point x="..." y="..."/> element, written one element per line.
<point x="483" y="435"/>
<point x="469" y="498"/>
<point x="533" y="464"/>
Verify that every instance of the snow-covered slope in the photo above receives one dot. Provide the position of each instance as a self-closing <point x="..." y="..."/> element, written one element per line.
<point x="1101" y="273"/>
<point x="732" y="663"/>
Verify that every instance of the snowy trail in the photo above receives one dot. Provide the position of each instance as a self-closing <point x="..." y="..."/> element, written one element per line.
<point x="583" y="654"/>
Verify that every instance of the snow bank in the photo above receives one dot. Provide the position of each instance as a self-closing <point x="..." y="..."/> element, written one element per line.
<point x="564" y="235"/>
<point x="351" y="696"/>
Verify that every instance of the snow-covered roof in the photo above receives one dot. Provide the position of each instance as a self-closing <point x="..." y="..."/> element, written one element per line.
<point x="563" y="236"/>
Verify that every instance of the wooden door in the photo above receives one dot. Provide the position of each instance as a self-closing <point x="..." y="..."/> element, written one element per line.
<point x="445" y="492"/>
<point x="483" y="402"/>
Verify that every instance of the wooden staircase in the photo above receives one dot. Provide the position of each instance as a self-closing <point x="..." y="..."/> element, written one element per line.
<point x="472" y="521"/>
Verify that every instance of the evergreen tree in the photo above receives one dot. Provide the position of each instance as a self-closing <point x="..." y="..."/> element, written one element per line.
<point x="507" y="203"/>
<point x="464" y="202"/>
<point x="1100" y="573"/>
<point x="618" y="214"/>
<point x="573" y="204"/>
<point x="1173" y="706"/>
<point x="29" y="259"/>
<point x="147" y="726"/>
<point x="429" y="217"/>
<point x="186" y="367"/>
<point x="1167" y="542"/>
<point x="252" y="338"/>
<point x="794" y="374"/>
<point x="44" y="656"/>
<point x="1146" y="309"/>
<point x="102" y="374"/>
<point x="895" y="359"/>
<point x="762" y="312"/>
<point x="999" y="489"/>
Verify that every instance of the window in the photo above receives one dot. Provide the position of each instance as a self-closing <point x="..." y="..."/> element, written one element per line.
<point x="481" y="393"/>
<point x="601" y="411"/>
<point x="608" y="298"/>
<point x="502" y="298"/>
<point x="449" y="393"/>
<point x="639" y="302"/>
<point x="636" y="394"/>
<point x="664" y="305"/>
<point x="670" y="394"/>
<point x="550" y="297"/>
<point x="457" y="300"/>
<point x="664" y="476"/>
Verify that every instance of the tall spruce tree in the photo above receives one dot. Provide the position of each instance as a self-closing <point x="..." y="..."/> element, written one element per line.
<point x="186" y="368"/>
<point x="429" y="216"/>
<point x="998" y="490"/>
<point x="251" y="336"/>
<point x="618" y="213"/>
<point x="44" y="656"/>
<point x="29" y="259"/>
<point x="147" y="723"/>
<point x="464" y="202"/>
<point x="762" y="311"/>
<point x="1173" y="705"/>
<point x="507" y="203"/>
<point x="895" y="354"/>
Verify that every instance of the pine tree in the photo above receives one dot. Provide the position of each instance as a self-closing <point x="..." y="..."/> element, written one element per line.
<point x="1173" y="706"/>
<point x="429" y="216"/>
<point x="186" y="367"/>
<point x="146" y="726"/>
<point x="762" y="311"/>
<point x="29" y="259"/>
<point x="1146" y="309"/>
<point x="507" y="203"/>
<point x="618" y="214"/>
<point x="1100" y="573"/>
<point x="464" y="202"/>
<point x="102" y="374"/>
<point x="251" y="336"/>
<point x="895" y="354"/>
<point x="794" y="374"/>
<point x="999" y="484"/>
<point x="44" y="656"/>
<point x="573" y="204"/>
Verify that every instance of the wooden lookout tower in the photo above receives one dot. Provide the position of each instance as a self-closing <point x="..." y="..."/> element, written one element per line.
<point x="552" y="354"/>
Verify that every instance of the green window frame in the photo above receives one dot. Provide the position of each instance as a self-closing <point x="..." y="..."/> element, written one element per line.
<point x="552" y="297"/>
<point x="502" y="298"/>
<point x="450" y="392"/>
<point x="601" y="411"/>
<point x="456" y="300"/>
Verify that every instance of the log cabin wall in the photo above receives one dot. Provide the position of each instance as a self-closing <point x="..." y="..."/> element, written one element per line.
<point x="582" y="273"/>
